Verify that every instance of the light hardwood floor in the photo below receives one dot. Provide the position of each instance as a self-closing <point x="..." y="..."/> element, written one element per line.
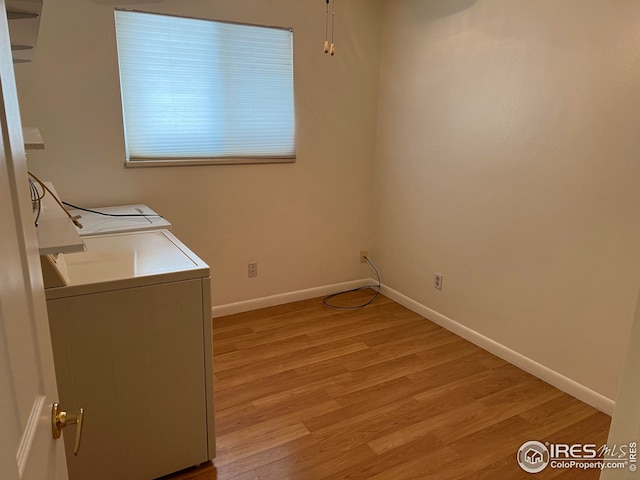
<point x="306" y="392"/>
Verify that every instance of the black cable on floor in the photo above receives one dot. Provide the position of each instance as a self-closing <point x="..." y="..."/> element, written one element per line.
<point x="325" y="300"/>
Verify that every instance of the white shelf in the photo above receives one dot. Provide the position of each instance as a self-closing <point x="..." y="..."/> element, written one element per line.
<point x="56" y="232"/>
<point x="24" y="23"/>
<point x="32" y="138"/>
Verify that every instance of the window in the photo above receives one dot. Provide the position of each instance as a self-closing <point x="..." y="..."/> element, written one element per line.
<point x="200" y="91"/>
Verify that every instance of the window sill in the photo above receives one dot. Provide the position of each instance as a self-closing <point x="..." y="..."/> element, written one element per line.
<point x="205" y="161"/>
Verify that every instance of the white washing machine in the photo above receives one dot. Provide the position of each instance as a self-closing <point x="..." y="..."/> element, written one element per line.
<point x="101" y="221"/>
<point x="132" y="339"/>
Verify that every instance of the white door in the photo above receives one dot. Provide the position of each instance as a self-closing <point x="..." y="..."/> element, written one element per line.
<point x="27" y="378"/>
<point x="625" y="424"/>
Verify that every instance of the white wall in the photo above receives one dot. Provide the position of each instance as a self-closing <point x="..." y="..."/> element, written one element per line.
<point x="304" y="223"/>
<point x="508" y="162"/>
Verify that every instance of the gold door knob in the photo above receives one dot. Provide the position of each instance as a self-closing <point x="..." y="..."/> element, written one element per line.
<point x="60" y="419"/>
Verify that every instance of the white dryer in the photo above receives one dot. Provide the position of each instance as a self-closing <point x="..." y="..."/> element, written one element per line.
<point x="123" y="218"/>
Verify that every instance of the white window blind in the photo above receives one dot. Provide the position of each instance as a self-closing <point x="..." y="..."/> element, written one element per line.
<point x="202" y="91"/>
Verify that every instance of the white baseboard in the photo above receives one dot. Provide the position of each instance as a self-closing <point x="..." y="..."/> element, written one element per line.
<point x="282" y="298"/>
<point x="550" y="376"/>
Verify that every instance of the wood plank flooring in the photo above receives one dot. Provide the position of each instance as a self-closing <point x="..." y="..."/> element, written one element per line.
<point x="304" y="392"/>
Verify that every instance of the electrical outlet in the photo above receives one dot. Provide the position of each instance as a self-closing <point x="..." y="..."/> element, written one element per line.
<point x="253" y="270"/>
<point x="363" y="253"/>
<point x="437" y="281"/>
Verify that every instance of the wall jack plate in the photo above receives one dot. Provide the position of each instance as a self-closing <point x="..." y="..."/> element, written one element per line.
<point x="253" y="270"/>
<point x="363" y="253"/>
<point x="437" y="281"/>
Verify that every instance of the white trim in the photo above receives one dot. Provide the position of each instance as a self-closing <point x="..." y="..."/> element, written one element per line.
<point x="282" y="298"/>
<point x="550" y="376"/>
<point x="30" y="431"/>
